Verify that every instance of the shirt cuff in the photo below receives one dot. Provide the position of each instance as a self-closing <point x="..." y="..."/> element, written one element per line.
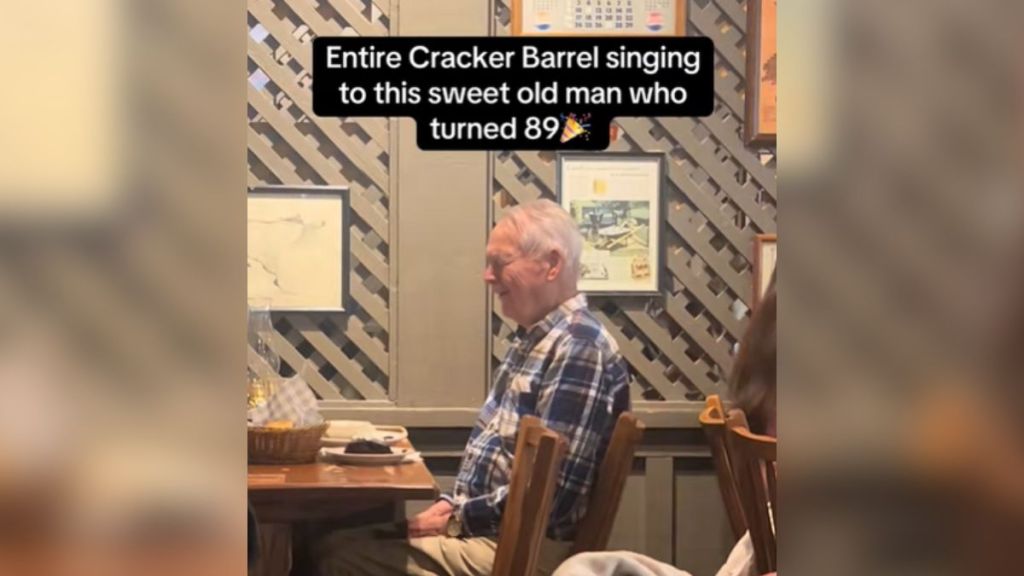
<point x="478" y="517"/>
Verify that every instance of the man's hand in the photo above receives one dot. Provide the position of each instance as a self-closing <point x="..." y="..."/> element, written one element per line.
<point x="439" y="508"/>
<point x="431" y="522"/>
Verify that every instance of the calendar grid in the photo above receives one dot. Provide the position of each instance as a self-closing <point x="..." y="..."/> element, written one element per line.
<point x="560" y="17"/>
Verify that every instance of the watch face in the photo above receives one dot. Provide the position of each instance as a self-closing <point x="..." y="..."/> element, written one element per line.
<point x="454" y="527"/>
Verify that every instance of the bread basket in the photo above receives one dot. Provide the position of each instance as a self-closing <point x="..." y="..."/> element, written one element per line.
<point x="285" y="446"/>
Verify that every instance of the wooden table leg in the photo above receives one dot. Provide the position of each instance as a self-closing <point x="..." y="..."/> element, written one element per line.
<point x="275" y="550"/>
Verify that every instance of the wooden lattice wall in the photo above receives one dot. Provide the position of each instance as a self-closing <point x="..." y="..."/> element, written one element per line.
<point x="290" y="145"/>
<point x="721" y="194"/>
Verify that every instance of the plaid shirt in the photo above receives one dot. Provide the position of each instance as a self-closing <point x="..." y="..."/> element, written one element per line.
<point x="567" y="370"/>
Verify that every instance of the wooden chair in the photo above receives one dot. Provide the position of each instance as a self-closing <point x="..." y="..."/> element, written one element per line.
<point x="596" y="526"/>
<point x="754" y="462"/>
<point x="535" y="470"/>
<point x="712" y="419"/>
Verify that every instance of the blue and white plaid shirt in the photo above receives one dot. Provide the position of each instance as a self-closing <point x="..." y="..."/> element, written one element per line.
<point x="567" y="370"/>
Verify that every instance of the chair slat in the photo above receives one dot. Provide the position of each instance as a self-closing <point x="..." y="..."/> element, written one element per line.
<point x="550" y="452"/>
<point x="712" y="420"/>
<point x="754" y="460"/>
<point x="535" y="469"/>
<point x="603" y="505"/>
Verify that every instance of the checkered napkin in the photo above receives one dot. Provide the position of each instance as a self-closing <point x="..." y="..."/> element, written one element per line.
<point x="293" y="400"/>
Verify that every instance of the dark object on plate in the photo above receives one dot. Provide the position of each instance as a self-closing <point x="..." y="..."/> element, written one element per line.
<point x="367" y="447"/>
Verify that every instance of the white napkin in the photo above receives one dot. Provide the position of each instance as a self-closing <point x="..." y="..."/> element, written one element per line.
<point x="293" y="400"/>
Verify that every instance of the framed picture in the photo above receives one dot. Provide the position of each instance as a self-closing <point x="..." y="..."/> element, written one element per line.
<point x="616" y="201"/>
<point x="762" y="55"/>
<point x="298" y="247"/>
<point x="765" y="256"/>
<point x="598" y="17"/>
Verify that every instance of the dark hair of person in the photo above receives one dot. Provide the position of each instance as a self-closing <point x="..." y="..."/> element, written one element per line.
<point x="752" y="382"/>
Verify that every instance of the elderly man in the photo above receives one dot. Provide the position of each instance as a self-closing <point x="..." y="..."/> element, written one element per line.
<point x="564" y="368"/>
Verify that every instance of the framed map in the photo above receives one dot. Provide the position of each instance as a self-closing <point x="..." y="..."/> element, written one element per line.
<point x="762" y="71"/>
<point x="298" y="247"/>
<point x="615" y="200"/>
<point x="598" y="17"/>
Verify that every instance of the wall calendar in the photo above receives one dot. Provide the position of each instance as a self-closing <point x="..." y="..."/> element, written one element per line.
<point x="598" y="17"/>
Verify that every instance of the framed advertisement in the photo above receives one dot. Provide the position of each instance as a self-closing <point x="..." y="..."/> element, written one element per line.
<point x="616" y="201"/>
<point x="297" y="247"/>
<point x="762" y="56"/>
<point x="598" y="17"/>
<point x="765" y="257"/>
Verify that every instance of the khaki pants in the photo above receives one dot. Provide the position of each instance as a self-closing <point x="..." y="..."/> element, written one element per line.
<point x="360" y="552"/>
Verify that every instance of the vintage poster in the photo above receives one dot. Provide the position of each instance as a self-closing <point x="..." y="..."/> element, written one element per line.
<point x="615" y="200"/>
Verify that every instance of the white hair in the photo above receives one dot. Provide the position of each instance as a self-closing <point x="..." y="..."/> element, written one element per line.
<point x="544" y="226"/>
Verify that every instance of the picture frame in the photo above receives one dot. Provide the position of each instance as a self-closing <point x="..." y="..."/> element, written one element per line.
<point x="561" y="18"/>
<point x="298" y="247"/>
<point x="616" y="200"/>
<point x="761" y="106"/>
<point x="765" y="260"/>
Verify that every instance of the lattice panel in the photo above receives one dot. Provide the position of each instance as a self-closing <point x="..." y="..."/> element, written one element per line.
<point x="720" y="195"/>
<point x="289" y="145"/>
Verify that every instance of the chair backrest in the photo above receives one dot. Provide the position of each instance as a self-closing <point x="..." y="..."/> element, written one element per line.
<point x="755" y="464"/>
<point x="603" y="505"/>
<point x="535" y="470"/>
<point x="712" y="419"/>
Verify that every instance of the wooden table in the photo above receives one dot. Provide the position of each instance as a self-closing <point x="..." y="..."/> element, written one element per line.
<point x="285" y="495"/>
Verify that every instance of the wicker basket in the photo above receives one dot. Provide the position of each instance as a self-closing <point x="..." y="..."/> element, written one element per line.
<point x="292" y="446"/>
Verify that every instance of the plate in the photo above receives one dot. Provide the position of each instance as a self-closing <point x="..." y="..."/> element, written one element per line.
<point x="389" y="435"/>
<point x="338" y="456"/>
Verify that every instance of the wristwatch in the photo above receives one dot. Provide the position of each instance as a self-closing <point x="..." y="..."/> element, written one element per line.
<point x="454" y="527"/>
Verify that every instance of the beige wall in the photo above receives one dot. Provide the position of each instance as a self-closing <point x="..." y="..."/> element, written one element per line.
<point x="442" y="220"/>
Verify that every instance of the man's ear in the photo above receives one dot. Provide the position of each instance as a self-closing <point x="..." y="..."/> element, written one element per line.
<point x="555" y="264"/>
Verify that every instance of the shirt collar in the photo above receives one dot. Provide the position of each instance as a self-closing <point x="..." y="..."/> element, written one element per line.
<point x="534" y="333"/>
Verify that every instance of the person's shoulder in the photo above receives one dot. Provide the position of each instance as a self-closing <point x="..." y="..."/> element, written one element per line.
<point x="586" y="330"/>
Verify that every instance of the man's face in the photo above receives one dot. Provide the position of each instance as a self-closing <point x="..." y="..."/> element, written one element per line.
<point x="521" y="282"/>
